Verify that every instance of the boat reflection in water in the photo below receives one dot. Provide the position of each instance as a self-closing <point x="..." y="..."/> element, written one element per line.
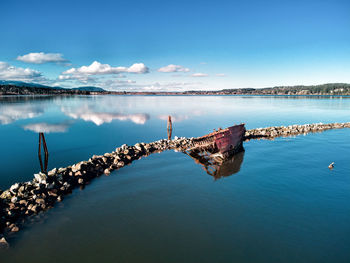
<point x="218" y="167"/>
<point x="220" y="152"/>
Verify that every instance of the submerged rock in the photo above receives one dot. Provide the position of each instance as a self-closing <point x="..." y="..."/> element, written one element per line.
<point x="4" y="244"/>
<point x="14" y="228"/>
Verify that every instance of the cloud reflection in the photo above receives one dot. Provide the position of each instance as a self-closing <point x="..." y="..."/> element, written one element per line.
<point x="12" y="113"/>
<point x="180" y="117"/>
<point x="47" y="127"/>
<point x="100" y="118"/>
<point x="174" y="118"/>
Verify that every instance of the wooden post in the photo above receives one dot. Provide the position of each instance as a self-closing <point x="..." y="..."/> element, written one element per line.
<point x="39" y="154"/>
<point x="169" y="128"/>
<point x="43" y="168"/>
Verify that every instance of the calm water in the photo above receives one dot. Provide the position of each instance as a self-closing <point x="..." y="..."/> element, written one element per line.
<point x="281" y="204"/>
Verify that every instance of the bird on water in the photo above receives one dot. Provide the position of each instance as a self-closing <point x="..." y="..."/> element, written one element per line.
<point x="331" y="166"/>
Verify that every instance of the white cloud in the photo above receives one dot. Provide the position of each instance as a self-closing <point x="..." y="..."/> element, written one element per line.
<point x="47" y="127"/>
<point x="94" y="73"/>
<point x="117" y="82"/>
<point x="8" y="72"/>
<point x="173" y="68"/>
<point x="199" y="75"/>
<point x="41" y="57"/>
<point x="138" y="68"/>
<point x="82" y="78"/>
<point x="220" y="75"/>
<point x="96" y="68"/>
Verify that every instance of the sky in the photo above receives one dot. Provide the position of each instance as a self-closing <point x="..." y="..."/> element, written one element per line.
<point x="175" y="45"/>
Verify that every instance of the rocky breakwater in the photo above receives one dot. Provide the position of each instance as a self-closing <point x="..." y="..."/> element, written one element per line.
<point x="291" y="130"/>
<point x="23" y="200"/>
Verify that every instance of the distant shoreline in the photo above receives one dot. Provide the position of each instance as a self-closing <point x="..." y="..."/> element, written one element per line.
<point x="331" y="90"/>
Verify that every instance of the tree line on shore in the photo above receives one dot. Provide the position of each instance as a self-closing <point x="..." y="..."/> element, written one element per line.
<point x="324" y="89"/>
<point x="30" y="90"/>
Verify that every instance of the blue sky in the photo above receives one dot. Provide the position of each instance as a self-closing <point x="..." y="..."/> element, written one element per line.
<point x="208" y="44"/>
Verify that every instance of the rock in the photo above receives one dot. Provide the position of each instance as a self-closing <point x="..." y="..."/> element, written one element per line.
<point x="52" y="172"/>
<point x="21" y="189"/>
<point x="34" y="208"/>
<point x="138" y="147"/>
<point x="76" y="167"/>
<point x="15" y="229"/>
<point x="59" y="177"/>
<point x="107" y="172"/>
<point x="62" y="170"/>
<point x="14" y="199"/>
<point x="52" y="192"/>
<point x="14" y="187"/>
<point x="40" y="201"/>
<point x="120" y="164"/>
<point x="80" y="181"/>
<point x="124" y="147"/>
<point x="40" y="178"/>
<point x="4" y="244"/>
<point x="23" y="202"/>
<point x="6" y="194"/>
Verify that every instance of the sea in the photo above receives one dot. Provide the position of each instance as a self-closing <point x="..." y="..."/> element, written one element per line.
<point x="275" y="202"/>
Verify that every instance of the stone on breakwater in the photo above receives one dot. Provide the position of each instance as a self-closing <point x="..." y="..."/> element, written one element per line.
<point x="272" y="132"/>
<point x="40" y="178"/>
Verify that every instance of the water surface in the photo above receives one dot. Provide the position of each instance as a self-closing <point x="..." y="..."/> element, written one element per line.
<point x="281" y="204"/>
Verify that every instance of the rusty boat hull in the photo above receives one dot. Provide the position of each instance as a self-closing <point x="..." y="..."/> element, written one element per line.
<point x="224" y="142"/>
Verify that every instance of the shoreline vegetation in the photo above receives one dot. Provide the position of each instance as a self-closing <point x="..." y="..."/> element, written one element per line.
<point x="330" y="89"/>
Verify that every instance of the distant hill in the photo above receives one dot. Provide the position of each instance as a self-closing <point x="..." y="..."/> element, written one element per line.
<point x="90" y="88"/>
<point x="21" y="88"/>
<point x="9" y="87"/>
<point x="25" y="84"/>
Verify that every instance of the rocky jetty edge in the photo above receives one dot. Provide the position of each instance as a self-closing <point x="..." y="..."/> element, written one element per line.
<point x="291" y="130"/>
<point x="26" y="199"/>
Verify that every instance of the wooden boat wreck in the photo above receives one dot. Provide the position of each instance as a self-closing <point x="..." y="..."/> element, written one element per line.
<point x="218" y="146"/>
